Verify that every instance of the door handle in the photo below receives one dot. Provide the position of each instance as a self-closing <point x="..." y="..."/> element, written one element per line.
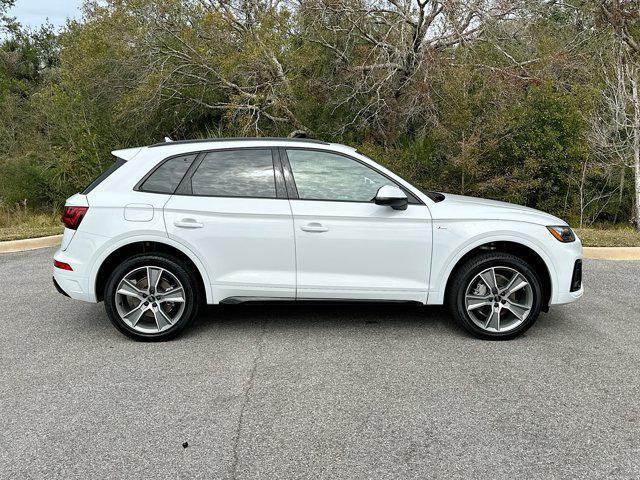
<point x="314" y="227"/>
<point x="188" y="223"/>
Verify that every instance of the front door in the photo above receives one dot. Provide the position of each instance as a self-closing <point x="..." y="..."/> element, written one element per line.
<point x="347" y="247"/>
<point x="232" y="210"/>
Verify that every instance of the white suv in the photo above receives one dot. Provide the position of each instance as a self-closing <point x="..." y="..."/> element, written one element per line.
<point x="173" y="225"/>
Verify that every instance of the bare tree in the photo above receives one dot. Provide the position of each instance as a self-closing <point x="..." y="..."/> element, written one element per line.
<point x="635" y="127"/>
<point x="622" y="15"/>
<point x="610" y="141"/>
<point x="389" y="50"/>
<point x="220" y="55"/>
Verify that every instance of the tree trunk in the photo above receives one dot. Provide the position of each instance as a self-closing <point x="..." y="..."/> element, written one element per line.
<point x="636" y="145"/>
<point x="623" y="169"/>
<point x="581" y="191"/>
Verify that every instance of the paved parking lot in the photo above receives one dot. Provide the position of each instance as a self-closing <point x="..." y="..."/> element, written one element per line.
<point x="318" y="391"/>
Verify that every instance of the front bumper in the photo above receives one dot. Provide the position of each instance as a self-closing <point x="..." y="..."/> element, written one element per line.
<point x="568" y="297"/>
<point x="567" y="258"/>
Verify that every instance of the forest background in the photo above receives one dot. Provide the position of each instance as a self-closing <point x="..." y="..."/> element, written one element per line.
<point x="534" y="102"/>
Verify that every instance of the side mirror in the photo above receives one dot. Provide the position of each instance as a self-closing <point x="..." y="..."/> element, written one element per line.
<point x="392" y="196"/>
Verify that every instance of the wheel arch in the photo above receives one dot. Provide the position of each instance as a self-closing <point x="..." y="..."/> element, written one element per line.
<point x="531" y="253"/>
<point x="111" y="257"/>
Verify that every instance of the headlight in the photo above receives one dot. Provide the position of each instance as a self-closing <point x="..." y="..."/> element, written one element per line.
<point x="562" y="234"/>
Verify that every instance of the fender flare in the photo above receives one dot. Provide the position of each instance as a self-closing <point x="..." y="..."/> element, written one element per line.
<point x="112" y="247"/>
<point x="436" y="296"/>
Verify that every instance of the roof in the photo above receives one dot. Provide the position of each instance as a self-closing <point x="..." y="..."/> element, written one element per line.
<point x="188" y="146"/>
<point x="240" y="139"/>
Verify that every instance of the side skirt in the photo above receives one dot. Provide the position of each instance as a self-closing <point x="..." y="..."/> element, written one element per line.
<point x="307" y="301"/>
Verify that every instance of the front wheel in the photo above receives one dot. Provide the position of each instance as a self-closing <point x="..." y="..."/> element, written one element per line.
<point x="151" y="297"/>
<point x="495" y="296"/>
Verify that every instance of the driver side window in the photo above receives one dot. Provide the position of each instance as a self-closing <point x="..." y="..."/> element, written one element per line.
<point x="327" y="176"/>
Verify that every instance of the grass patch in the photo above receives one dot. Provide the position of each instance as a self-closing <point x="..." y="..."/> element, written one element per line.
<point x="615" y="237"/>
<point x="22" y="223"/>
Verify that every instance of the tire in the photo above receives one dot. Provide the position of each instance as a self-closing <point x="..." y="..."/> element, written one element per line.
<point x="167" y="311"/>
<point x="494" y="314"/>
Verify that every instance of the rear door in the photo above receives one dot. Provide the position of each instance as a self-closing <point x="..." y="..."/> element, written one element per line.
<point x="231" y="209"/>
<point x="347" y="246"/>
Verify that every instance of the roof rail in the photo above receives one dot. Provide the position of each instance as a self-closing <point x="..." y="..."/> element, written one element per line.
<point x="240" y="139"/>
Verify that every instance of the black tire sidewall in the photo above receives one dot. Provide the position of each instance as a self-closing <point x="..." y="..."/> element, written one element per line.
<point x="169" y="263"/>
<point x="477" y="265"/>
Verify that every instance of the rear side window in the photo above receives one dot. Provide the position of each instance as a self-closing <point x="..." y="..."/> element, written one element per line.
<point x="167" y="177"/>
<point x="114" y="166"/>
<point x="235" y="173"/>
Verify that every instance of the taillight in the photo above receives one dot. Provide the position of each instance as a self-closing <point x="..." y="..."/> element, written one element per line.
<point x="72" y="216"/>
<point x="62" y="265"/>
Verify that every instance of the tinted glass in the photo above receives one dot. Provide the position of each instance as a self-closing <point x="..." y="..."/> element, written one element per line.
<point x="235" y="173"/>
<point x="114" y="166"/>
<point x="166" y="177"/>
<point x="326" y="176"/>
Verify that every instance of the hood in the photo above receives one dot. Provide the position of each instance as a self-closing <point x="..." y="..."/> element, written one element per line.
<point x="461" y="207"/>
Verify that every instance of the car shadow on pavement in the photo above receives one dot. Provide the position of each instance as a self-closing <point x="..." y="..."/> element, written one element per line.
<point x="341" y="315"/>
<point x="283" y="316"/>
<point x="433" y="319"/>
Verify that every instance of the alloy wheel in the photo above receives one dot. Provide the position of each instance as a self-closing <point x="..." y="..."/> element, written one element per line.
<point x="150" y="299"/>
<point x="499" y="299"/>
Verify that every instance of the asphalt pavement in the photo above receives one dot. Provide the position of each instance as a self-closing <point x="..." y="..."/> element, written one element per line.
<point x="318" y="392"/>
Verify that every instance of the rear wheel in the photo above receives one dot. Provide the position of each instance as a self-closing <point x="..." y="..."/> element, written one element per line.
<point x="151" y="297"/>
<point x="495" y="296"/>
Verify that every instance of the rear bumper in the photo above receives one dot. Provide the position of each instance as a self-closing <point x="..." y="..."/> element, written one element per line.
<point x="59" y="288"/>
<point x="71" y="285"/>
<point x="79" y="254"/>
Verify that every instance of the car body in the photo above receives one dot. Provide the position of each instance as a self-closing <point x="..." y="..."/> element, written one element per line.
<point x="295" y="219"/>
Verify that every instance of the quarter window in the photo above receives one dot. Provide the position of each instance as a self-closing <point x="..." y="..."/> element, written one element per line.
<point x="167" y="177"/>
<point x="114" y="166"/>
<point x="235" y="173"/>
<point x="327" y="176"/>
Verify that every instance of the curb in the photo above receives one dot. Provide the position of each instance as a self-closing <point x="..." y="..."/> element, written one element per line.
<point x="612" y="253"/>
<point x="30" y="244"/>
